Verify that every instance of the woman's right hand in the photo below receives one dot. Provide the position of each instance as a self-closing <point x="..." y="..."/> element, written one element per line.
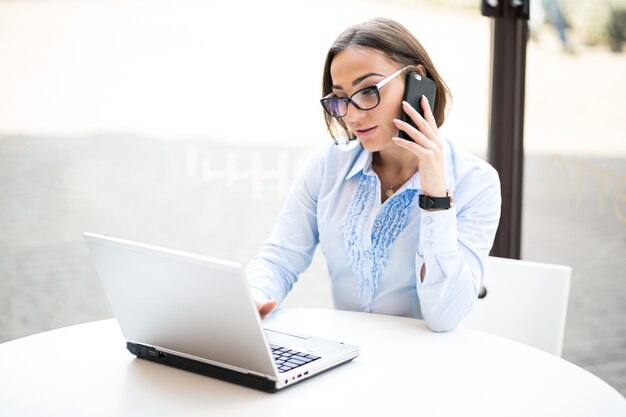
<point x="266" y="307"/>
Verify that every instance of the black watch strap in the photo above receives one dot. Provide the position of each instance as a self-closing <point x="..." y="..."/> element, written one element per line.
<point x="435" y="203"/>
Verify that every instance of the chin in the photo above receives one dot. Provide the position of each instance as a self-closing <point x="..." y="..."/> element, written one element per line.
<point x="374" y="145"/>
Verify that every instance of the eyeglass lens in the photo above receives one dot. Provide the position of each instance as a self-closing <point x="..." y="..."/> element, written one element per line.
<point x="365" y="99"/>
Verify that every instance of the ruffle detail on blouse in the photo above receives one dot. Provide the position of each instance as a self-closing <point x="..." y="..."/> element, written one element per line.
<point x="361" y="205"/>
<point x="393" y="220"/>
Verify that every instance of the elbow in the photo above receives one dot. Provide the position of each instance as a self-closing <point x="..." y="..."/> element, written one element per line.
<point x="449" y="318"/>
<point x="441" y="326"/>
<point x="445" y="313"/>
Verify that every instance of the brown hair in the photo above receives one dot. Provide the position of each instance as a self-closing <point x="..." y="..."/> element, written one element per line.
<point x="396" y="42"/>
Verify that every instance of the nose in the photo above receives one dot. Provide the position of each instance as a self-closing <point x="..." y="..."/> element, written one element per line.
<point x="353" y="114"/>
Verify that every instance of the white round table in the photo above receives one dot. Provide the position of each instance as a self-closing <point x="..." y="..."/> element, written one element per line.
<point x="404" y="369"/>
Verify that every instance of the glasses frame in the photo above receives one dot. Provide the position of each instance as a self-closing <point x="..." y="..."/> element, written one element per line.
<point x="376" y="88"/>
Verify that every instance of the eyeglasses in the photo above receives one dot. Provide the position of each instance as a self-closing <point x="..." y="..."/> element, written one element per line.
<point x="365" y="99"/>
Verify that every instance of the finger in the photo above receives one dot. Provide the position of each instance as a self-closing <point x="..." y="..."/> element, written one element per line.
<point x="266" y="308"/>
<point x="417" y="136"/>
<point x="428" y="113"/>
<point x="423" y="147"/>
<point x="421" y="123"/>
<point x="418" y="150"/>
<point x="421" y="152"/>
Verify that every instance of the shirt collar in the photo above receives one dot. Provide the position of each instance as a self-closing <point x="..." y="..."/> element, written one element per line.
<point x="363" y="163"/>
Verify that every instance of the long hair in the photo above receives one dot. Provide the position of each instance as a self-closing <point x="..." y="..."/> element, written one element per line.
<point x="396" y="42"/>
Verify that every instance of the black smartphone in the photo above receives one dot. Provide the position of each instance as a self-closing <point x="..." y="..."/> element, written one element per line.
<point x="416" y="86"/>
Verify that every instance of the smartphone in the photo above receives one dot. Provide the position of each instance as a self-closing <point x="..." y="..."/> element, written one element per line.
<point x="416" y="86"/>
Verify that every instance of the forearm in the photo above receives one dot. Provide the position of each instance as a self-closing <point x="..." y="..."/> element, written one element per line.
<point x="288" y="252"/>
<point x="269" y="277"/>
<point x="449" y="290"/>
<point x="450" y="263"/>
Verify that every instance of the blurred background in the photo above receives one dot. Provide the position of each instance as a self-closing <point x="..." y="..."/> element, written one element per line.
<point x="182" y="123"/>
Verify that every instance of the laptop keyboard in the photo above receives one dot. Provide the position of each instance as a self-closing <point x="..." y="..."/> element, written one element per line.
<point x="287" y="359"/>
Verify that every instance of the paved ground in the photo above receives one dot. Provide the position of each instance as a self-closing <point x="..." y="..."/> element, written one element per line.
<point x="128" y="129"/>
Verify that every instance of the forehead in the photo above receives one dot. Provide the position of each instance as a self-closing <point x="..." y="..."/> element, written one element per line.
<point x="354" y="61"/>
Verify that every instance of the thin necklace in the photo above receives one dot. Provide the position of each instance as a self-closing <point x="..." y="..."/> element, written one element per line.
<point x="391" y="190"/>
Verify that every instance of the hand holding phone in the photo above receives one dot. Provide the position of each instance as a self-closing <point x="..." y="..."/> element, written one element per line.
<point x="416" y="87"/>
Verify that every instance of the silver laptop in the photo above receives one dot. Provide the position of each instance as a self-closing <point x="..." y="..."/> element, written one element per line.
<point x="196" y="313"/>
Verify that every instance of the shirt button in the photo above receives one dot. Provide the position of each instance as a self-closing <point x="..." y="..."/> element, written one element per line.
<point x="427" y="243"/>
<point x="428" y="232"/>
<point x="429" y="220"/>
<point x="378" y="223"/>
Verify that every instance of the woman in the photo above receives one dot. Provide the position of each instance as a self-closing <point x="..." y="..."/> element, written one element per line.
<point x="370" y="204"/>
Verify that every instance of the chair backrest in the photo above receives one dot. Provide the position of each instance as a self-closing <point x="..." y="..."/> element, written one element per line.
<point x="524" y="301"/>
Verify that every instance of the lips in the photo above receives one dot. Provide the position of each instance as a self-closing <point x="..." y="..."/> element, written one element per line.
<point x="365" y="133"/>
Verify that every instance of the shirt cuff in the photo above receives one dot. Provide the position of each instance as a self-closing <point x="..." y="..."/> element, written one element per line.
<point x="258" y="295"/>
<point x="438" y="233"/>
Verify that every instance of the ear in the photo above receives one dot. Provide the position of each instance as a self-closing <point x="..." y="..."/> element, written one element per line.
<point x="420" y="69"/>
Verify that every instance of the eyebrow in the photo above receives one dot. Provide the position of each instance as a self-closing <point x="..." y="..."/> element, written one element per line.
<point x="358" y="80"/>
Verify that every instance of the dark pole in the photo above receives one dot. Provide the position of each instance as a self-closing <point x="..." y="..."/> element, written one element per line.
<point x="506" y="126"/>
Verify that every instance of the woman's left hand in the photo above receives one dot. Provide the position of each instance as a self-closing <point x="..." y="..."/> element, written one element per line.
<point x="427" y="145"/>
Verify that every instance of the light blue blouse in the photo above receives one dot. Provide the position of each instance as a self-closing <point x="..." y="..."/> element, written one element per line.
<point x="374" y="252"/>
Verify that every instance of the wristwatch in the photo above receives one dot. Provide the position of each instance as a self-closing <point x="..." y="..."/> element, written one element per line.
<point x="436" y="203"/>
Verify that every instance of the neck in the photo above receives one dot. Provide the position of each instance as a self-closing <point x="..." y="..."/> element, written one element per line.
<point x="393" y="167"/>
<point x="397" y="163"/>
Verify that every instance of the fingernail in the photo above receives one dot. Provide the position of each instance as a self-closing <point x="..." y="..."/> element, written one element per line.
<point x="425" y="98"/>
<point x="397" y="121"/>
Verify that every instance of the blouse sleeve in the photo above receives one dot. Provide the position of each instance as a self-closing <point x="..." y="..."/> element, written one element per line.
<point x="453" y="246"/>
<point x="289" y="250"/>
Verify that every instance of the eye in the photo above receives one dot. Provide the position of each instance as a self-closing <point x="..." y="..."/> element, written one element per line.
<point x="369" y="92"/>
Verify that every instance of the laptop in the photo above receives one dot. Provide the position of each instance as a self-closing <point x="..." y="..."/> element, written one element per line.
<point x="196" y="313"/>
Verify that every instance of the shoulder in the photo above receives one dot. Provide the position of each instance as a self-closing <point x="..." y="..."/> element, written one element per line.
<point x="328" y="165"/>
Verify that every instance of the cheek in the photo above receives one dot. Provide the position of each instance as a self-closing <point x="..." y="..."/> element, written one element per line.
<point x="393" y="108"/>
<point x="390" y="113"/>
<point x="385" y="121"/>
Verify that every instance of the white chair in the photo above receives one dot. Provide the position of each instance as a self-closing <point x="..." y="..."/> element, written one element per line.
<point x="524" y="301"/>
